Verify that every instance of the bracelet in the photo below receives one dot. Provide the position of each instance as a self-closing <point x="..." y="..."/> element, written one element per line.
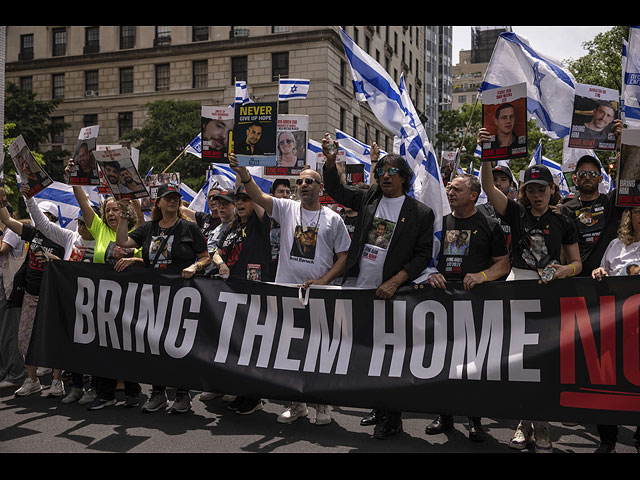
<point x="248" y="181"/>
<point x="574" y="270"/>
<point x="484" y="275"/>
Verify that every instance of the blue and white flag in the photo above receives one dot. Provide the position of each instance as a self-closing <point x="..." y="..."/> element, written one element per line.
<point x="630" y="111"/>
<point x="61" y="195"/>
<point x="195" y="146"/>
<point x="356" y="152"/>
<point x="550" y="85"/>
<point x="188" y="194"/>
<point x="393" y="108"/>
<point x="292" y="88"/>
<point x="242" y="94"/>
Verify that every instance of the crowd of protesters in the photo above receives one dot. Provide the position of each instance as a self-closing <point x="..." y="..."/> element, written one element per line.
<point x="382" y="239"/>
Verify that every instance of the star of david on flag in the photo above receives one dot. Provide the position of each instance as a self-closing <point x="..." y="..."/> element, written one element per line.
<point x="291" y="88"/>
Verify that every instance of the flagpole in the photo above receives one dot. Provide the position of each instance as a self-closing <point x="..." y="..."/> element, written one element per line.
<point x="175" y="159"/>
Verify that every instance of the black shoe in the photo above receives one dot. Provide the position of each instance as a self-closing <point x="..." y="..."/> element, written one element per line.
<point x="476" y="432"/>
<point x="439" y="425"/>
<point x="374" y="418"/>
<point x="131" y="401"/>
<point x="388" y="428"/>
<point x="606" y="447"/>
<point x="248" y="406"/>
<point x="236" y="403"/>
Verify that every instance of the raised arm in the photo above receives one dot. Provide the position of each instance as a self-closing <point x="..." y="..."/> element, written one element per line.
<point x="83" y="200"/>
<point x="497" y="199"/>
<point x="253" y="190"/>
<point x="13" y="224"/>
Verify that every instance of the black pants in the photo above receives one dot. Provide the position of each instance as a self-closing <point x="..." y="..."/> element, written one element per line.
<point x="106" y="388"/>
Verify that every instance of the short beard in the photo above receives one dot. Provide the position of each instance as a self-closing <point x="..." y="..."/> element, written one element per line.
<point x="587" y="190"/>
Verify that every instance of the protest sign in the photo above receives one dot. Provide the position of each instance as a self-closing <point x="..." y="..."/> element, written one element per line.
<point x="292" y="139"/>
<point x="217" y="123"/>
<point x="504" y="115"/>
<point x="254" y="134"/>
<point x="85" y="169"/>
<point x="31" y="173"/>
<point x="120" y="173"/>
<point x="628" y="181"/>
<point x="594" y="110"/>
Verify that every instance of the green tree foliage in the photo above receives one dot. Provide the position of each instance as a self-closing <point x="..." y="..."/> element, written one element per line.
<point x="169" y="128"/>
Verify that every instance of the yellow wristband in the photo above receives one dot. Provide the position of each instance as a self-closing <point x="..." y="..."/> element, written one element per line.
<point x="484" y="275"/>
<point x="574" y="270"/>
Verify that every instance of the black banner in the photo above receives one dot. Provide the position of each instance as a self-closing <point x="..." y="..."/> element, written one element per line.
<point x="566" y="351"/>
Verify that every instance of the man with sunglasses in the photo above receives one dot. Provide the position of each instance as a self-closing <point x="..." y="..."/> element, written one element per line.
<point x="402" y="257"/>
<point x="324" y="236"/>
<point x="594" y="213"/>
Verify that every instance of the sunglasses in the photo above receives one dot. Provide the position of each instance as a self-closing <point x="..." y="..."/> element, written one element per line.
<point x="306" y="180"/>
<point x="391" y="171"/>
<point x="585" y="173"/>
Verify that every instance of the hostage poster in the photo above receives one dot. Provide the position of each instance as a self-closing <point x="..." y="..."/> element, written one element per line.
<point x="504" y="115"/>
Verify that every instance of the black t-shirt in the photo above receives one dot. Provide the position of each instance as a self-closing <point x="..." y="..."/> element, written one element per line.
<point x="536" y="242"/>
<point x="207" y="222"/>
<point x="469" y="245"/>
<point x="184" y="242"/>
<point x="597" y="223"/>
<point x="245" y="248"/>
<point x="488" y="210"/>
<point x="35" y="267"/>
<point x="350" y="223"/>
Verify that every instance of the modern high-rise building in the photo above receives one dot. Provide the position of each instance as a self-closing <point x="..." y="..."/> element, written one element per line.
<point x="472" y="65"/>
<point x="106" y="75"/>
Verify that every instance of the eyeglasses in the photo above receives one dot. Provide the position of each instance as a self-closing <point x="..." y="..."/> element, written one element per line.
<point x="585" y="173"/>
<point x="306" y="180"/>
<point x="380" y="171"/>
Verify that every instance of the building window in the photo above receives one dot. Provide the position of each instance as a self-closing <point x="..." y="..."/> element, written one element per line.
<point x="59" y="42"/>
<point x="91" y="82"/>
<point x="355" y="127"/>
<point x="163" y="37"/>
<point x="126" y="80"/>
<point x="57" y="137"/>
<point x="279" y="29"/>
<point x="91" y="40"/>
<point x="127" y="37"/>
<point x="343" y="73"/>
<point x="238" y="69"/>
<point x="162" y="77"/>
<point x="279" y="65"/>
<point x="239" y="32"/>
<point x="125" y="122"/>
<point x="26" y="83"/>
<point x="26" y="47"/>
<point x="200" y="34"/>
<point x="90" y="120"/>
<point x="57" y="85"/>
<point x="342" y="113"/>
<point x="200" y="74"/>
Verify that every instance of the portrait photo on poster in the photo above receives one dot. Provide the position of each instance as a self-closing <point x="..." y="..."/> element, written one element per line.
<point x="217" y="122"/>
<point x="254" y="134"/>
<point x="504" y="116"/>
<point x="594" y="110"/>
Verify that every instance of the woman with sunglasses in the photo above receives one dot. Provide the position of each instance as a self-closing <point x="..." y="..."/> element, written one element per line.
<point x="170" y="244"/>
<point x="541" y="239"/>
<point x="288" y="152"/>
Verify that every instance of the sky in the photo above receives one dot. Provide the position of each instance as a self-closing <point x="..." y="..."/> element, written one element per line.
<point x="557" y="42"/>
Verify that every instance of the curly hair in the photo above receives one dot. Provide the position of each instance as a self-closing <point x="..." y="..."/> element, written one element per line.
<point x="126" y="209"/>
<point x="625" y="231"/>
<point x="395" y="160"/>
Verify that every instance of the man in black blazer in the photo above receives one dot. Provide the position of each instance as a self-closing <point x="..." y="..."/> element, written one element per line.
<point x="389" y="264"/>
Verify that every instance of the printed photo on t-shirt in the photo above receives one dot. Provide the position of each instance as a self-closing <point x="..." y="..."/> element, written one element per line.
<point x="113" y="253"/>
<point x="380" y="232"/>
<point x="304" y="242"/>
<point x="164" y="256"/>
<point x="254" y="271"/>
<point x="456" y="242"/>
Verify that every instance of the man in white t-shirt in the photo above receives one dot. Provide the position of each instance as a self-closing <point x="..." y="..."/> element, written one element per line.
<point x="311" y="236"/>
<point x="392" y="242"/>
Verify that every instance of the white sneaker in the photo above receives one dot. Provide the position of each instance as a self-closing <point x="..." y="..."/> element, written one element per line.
<point x="74" y="395"/>
<point x="88" y="397"/>
<point x="9" y="384"/>
<point x="43" y="371"/>
<point x="542" y="439"/>
<point x="28" y="387"/>
<point x="323" y="415"/>
<point x="522" y="437"/>
<point x="294" y="412"/>
<point x="55" y="390"/>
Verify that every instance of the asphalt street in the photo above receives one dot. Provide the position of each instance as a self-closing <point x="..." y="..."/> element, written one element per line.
<point x="37" y="424"/>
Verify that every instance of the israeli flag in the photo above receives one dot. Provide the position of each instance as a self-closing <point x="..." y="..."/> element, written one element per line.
<point x="292" y="88"/>
<point x="195" y="146"/>
<point x="630" y="111"/>
<point x="188" y="194"/>
<point x="393" y="108"/>
<point x="356" y="152"/>
<point x="550" y="86"/>
<point x="61" y="195"/>
<point x="314" y="149"/>
<point x="242" y="94"/>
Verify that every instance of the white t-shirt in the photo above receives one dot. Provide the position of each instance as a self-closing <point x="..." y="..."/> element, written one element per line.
<point x="11" y="238"/>
<point x="619" y="259"/>
<point x="378" y="240"/>
<point x="308" y="241"/>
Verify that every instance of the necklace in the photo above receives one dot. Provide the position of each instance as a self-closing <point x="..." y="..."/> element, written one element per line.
<point x="317" y="219"/>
